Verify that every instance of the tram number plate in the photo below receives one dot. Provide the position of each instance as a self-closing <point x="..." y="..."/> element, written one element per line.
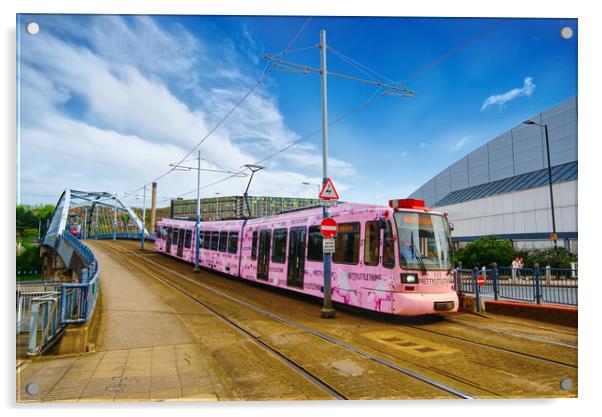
<point x="328" y="203"/>
<point x="328" y="245"/>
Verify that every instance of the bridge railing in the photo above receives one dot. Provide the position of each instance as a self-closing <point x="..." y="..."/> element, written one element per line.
<point x="539" y="285"/>
<point x="45" y="309"/>
<point x="132" y="236"/>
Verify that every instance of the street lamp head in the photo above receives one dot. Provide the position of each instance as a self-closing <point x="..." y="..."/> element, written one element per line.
<point x="529" y="122"/>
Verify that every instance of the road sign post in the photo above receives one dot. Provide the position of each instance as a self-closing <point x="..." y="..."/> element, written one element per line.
<point x="327" y="311"/>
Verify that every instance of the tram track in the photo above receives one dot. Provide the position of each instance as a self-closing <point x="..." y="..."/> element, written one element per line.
<point x="253" y="338"/>
<point x="339" y="343"/>
<point x="491" y="347"/>
<point x="513" y="334"/>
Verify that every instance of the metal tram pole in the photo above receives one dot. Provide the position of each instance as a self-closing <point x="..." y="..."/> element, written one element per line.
<point x="143" y="219"/>
<point x="198" y="217"/>
<point x="327" y="311"/>
<point x="115" y="219"/>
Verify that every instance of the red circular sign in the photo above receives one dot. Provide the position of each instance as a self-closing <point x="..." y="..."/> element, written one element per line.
<point x="329" y="227"/>
<point x="481" y="280"/>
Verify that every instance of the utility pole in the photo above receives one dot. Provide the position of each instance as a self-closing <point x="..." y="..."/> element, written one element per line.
<point x="179" y="167"/>
<point x="143" y="219"/>
<point x="115" y="220"/>
<point x="327" y="311"/>
<point x="198" y="217"/>
<point x="390" y="88"/>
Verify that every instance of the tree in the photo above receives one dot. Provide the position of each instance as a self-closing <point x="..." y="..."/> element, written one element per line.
<point x="485" y="251"/>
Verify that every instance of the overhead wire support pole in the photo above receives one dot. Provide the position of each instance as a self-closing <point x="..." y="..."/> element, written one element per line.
<point x="197" y="232"/>
<point x="115" y="219"/>
<point x="143" y="219"/>
<point x="253" y="169"/>
<point x="327" y="311"/>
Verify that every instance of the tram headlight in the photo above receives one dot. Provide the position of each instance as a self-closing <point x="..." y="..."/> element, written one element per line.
<point x="409" y="278"/>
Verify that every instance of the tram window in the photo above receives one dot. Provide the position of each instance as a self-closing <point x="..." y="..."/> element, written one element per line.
<point x="371" y="243"/>
<point x="188" y="239"/>
<point x="206" y="240"/>
<point x="279" y="246"/>
<point x="254" y="246"/>
<point x="347" y="244"/>
<point x="223" y="241"/>
<point x="214" y="240"/>
<point x="233" y="242"/>
<point x="174" y="237"/>
<point x="169" y="232"/>
<point x="314" y="244"/>
<point x="389" y="247"/>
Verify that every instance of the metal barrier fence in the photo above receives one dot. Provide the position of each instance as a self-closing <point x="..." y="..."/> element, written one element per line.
<point x="547" y="285"/>
<point x="44" y="309"/>
<point x="132" y="236"/>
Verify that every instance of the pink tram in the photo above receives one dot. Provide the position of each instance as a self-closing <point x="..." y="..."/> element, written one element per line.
<point x="394" y="260"/>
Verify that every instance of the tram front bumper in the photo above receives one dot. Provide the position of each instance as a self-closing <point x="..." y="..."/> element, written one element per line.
<point x="408" y="304"/>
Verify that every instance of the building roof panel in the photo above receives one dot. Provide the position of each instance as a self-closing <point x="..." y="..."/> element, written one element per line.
<point x="533" y="179"/>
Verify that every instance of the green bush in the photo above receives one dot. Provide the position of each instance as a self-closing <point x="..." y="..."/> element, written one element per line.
<point x="485" y="251"/>
<point x="546" y="257"/>
<point x="29" y="259"/>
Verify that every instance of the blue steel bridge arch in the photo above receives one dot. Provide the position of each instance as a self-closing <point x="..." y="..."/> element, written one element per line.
<point x="92" y="202"/>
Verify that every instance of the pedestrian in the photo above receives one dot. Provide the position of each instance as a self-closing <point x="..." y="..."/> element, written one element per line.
<point x="514" y="266"/>
<point x="519" y="265"/>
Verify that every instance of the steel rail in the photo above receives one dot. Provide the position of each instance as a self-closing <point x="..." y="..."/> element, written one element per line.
<point x="509" y="333"/>
<point x="405" y="371"/>
<point x="287" y="361"/>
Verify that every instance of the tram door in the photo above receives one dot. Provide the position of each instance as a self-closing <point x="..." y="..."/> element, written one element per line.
<point x="263" y="256"/>
<point x="296" y="257"/>
<point x="181" y="243"/>
<point x="168" y="240"/>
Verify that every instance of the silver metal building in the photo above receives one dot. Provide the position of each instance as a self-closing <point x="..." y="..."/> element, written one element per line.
<point x="502" y="188"/>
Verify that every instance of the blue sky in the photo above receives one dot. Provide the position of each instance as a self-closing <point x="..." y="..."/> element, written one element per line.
<point x="122" y="97"/>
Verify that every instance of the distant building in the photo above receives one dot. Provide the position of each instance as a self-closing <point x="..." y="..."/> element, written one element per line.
<point x="502" y="188"/>
<point x="234" y="207"/>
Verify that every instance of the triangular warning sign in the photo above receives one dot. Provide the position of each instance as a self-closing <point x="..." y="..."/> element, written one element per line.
<point x="328" y="191"/>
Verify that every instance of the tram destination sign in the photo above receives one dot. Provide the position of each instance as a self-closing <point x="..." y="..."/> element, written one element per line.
<point x="328" y="245"/>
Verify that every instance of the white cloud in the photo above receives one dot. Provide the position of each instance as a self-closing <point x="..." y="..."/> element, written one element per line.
<point x="501" y="99"/>
<point x="461" y="143"/>
<point x="113" y="114"/>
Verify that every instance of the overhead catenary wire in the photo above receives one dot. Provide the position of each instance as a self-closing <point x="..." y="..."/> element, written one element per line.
<point x="372" y="98"/>
<point x="266" y="71"/>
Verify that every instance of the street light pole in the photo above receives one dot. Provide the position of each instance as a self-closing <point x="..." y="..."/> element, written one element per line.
<point x="555" y="236"/>
<point x="327" y="311"/>
<point x="309" y="183"/>
<point x="198" y="217"/>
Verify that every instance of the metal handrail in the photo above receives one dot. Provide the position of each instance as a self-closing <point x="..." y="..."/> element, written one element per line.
<point x="49" y="324"/>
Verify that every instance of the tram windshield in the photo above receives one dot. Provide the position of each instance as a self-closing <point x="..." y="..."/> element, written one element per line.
<point x="424" y="240"/>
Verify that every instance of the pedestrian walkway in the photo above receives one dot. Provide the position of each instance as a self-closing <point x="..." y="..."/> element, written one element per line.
<point x="145" y="352"/>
